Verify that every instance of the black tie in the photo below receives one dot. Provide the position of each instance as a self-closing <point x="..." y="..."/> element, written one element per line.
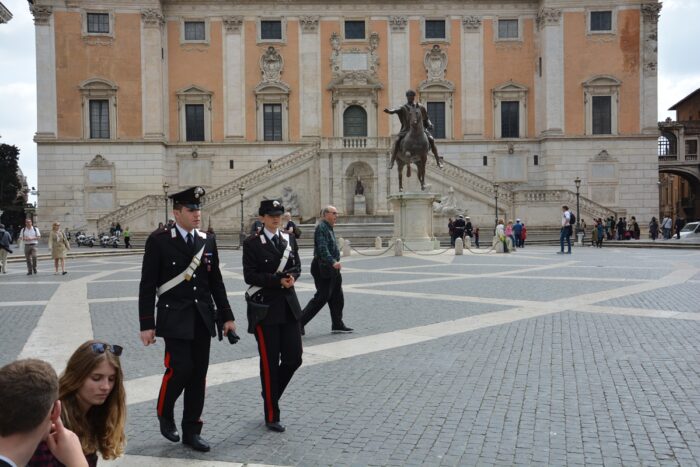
<point x="190" y="242"/>
<point x="276" y="241"/>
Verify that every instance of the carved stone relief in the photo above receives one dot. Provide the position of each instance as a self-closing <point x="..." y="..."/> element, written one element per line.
<point x="271" y="65"/>
<point x="152" y="18"/>
<point x="354" y="60"/>
<point x="42" y="14"/>
<point x="435" y="62"/>
<point x="398" y="23"/>
<point x="309" y="23"/>
<point x="471" y="23"/>
<point x="548" y="17"/>
<point x="651" y="11"/>
<point x="233" y="24"/>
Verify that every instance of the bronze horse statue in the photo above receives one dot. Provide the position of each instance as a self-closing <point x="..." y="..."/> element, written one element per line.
<point x="413" y="148"/>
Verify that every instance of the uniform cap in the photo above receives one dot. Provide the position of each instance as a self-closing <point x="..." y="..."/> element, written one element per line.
<point x="189" y="198"/>
<point x="271" y="207"/>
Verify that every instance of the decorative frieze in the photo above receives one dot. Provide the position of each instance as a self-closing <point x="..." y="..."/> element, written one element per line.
<point x="398" y="23"/>
<point x="471" y="23"/>
<point x="548" y="17"/>
<point x="232" y="24"/>
<point x="152" y="18"/>
<point x="309" y="23"/>
<point x="42" y="14"/>
<point x="651" y="11"/>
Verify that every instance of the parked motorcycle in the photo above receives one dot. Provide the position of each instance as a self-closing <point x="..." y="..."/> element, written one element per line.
<point x="82" y="239"/>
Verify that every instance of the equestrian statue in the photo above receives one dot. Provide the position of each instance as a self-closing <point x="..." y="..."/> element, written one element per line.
<point x="414" y="139"/>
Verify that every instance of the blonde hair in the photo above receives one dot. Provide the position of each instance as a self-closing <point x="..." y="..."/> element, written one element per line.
<point x="101" y="429"/>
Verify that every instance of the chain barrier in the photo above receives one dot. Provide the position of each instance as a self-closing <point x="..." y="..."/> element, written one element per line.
<point x="373" y="254"/>
<point x="479" y="252"/>
<point x="426" y="254"/>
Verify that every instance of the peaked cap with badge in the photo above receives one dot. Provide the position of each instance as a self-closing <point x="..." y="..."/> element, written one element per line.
<point x="190" y="198"/>
<point x="271" y="207"/>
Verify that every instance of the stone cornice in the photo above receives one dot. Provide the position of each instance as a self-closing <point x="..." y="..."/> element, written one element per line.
<point x="42" y="14"/>
<point x="5" y="14"/>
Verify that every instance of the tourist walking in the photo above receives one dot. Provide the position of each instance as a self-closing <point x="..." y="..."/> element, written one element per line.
<point x="565" y="232"/>
<point x="127" y="237"/>
<point x="653" y="228"/>
<point x="29" y="237"/>
<point x="5" y="242"/>
<point x="59" y="247"/>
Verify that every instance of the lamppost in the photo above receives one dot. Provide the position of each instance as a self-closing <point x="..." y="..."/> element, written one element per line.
<point x="578" y="215"/>
<point x="241" y="235"/>
<point x="495" y="189"/>
<point x="165" y="190"/>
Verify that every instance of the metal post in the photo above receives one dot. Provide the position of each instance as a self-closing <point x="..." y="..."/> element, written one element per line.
<point x="241" y="235"/>
<point x="578" y="215"/>
<point x="495" y="188"/>
<point x="165" y="190"/>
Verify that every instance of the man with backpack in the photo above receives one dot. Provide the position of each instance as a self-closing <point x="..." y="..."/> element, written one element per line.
<point x="567" y="220"/>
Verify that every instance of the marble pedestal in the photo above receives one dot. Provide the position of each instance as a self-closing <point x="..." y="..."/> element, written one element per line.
<point x="359" y="205"/>
<point x="413" y="219"/>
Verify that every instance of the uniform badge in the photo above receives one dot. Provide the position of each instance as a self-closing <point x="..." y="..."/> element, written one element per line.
<point x="173" y="234"/>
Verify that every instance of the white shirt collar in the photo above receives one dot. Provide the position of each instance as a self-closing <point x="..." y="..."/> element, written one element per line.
<point x="184" y="232"/>
<point x="8" y="460"/>
<point x="269" y="234"/>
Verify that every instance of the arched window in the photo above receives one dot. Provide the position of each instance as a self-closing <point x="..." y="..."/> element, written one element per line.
<point x="667" y="145"/>
<point x="354" y="121"/>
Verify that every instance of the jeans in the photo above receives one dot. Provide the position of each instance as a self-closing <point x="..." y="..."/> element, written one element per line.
<point x="564" y="234"/>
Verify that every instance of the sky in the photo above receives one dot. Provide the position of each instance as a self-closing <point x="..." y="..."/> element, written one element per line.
<point x="679" y="72"/>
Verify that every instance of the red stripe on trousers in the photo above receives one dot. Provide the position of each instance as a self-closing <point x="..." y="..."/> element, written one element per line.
<point x="266" y="373"/>
<point x="164" y="385"/>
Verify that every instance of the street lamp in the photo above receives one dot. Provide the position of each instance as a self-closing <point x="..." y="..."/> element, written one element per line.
<point x="165" y="190"/>
<point x="241" y="235"/>
<point x="495" y="189"/>
<point x="578" y="215"/>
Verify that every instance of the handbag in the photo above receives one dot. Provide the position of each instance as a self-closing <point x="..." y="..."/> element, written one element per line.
<point x="256" y="310"/>
<point x="297" y="231"/>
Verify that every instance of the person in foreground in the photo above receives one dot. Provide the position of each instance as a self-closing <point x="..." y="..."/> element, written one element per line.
<point x="31" y="414"/>
<point x="181" y="267"/>
<point x="271" y="266"/>
<point x="91" y="390"/>
<point x="325" y="269"/>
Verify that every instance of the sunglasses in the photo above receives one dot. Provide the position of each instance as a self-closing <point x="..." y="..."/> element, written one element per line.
<point x="99" y="347"/>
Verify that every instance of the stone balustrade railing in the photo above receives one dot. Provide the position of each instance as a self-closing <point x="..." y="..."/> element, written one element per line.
<point x="471" y="181"/>
<point x="356" y="142"/>
<point x="128" y="212"/>
<point x="563" y="197"/>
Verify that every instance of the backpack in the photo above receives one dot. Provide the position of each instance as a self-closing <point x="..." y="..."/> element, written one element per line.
<point x="572" y="218"/>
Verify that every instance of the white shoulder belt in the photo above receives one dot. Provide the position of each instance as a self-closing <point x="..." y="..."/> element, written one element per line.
<point x="185" y="275"/>
<point x="253" y="289"/>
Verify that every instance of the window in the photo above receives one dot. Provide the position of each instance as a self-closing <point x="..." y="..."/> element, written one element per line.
<point x="354" y="121"/>
<point x="510" y="119"/>
<point x="272" y="122"/>
<point x="195" y="31"/>
<point x="98" y="23"/>
<point x="601" y="20"/>
<point x="536" y="160"/>
<point x="194" y="122"/>
<point x="485" y="161"/>
<point x="508" y="29"/>
<point x="691" y="147"/>
<point x="435" y="29"/>
<point x="99" y="119"/>
<point x="602" y="117"/>
<point x="355" y="29"/>
<point x="436" y="114"/>
<point x="271" y="30"/>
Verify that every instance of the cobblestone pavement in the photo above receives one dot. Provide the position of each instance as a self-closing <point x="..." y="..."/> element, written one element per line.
<point x="530" y="358"/>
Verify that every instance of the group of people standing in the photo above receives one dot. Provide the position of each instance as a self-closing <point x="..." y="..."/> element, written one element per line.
<point x="181" y="268"/>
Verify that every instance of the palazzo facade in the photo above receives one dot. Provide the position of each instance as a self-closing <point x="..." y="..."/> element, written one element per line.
<point x="253" y="99"/>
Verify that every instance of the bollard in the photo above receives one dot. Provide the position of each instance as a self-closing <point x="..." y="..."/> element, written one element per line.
<point x="459" y="247"/>
<point x="340" y="241"/>
<point x="467" y="242"/>
<point x="509" y="241"/>
<point x="378" y="243"/>
<point x="346" y="248"/>
<point x="398" y="247"/>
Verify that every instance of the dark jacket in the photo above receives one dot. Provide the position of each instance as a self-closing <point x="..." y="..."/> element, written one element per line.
<point x="260" y="262"/>
<point x="166" y="256"/>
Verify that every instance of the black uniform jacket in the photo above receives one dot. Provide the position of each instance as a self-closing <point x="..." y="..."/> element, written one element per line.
<point x="167" y="256"/>
<point x="260" y="262"/>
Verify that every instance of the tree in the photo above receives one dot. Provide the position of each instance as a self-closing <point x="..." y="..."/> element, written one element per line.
<point x="11" y="196"/>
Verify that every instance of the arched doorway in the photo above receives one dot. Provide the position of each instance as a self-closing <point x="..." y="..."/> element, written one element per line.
<point x="354" y="122"/>
<point x="679" y="194"/>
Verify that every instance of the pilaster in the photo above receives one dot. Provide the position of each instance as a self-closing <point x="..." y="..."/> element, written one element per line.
<point x="234" y="78"/>
<point x="310" y="77"/>
<point x="47" y="113"/>
<point x="152" y="85"/>
<point x="399" y="61"/>
<point x="549" y="23"/>
<point x="649" y="52"/>
<point x="472" y="77"/>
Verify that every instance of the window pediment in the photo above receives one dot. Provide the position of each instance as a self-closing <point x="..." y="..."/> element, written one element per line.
<point x="511" y="86"/>
<point x="193" y="90"/>
<point x="602" y="81"/>
<point x="272" y="88"/>
<point x="98" y="85"/>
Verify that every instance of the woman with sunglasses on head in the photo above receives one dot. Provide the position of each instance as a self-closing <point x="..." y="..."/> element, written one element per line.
<point x="91" y="390"/>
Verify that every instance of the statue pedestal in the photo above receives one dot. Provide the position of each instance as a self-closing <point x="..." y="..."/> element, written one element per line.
<point x="413" y="219"/>
<point x="360" y="205"/>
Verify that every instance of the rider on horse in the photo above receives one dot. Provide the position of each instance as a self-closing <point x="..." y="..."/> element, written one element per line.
<point x="404" y="112"/>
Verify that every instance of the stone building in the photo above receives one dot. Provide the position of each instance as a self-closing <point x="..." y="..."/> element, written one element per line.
<point x="5" y="14"/>
<point x="679" y="167"/>
<point x="249" y="97"/>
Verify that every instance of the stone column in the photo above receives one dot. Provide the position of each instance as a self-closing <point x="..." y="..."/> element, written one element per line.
<point x="648" y="98"/>
<point x="310" y="77"/>
<point x="472" y="77"/>
<point x="47" y="114"/>
<point x="399" y="66"/>
<point x="152" y="56"/>
<point x="234" y="78"/>
<point x="549" y="23"/>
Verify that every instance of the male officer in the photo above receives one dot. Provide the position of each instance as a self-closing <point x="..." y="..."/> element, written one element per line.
<point x="404" y="113"/>
<point x="271" y="264"/>
<point x="181" y="267"/>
